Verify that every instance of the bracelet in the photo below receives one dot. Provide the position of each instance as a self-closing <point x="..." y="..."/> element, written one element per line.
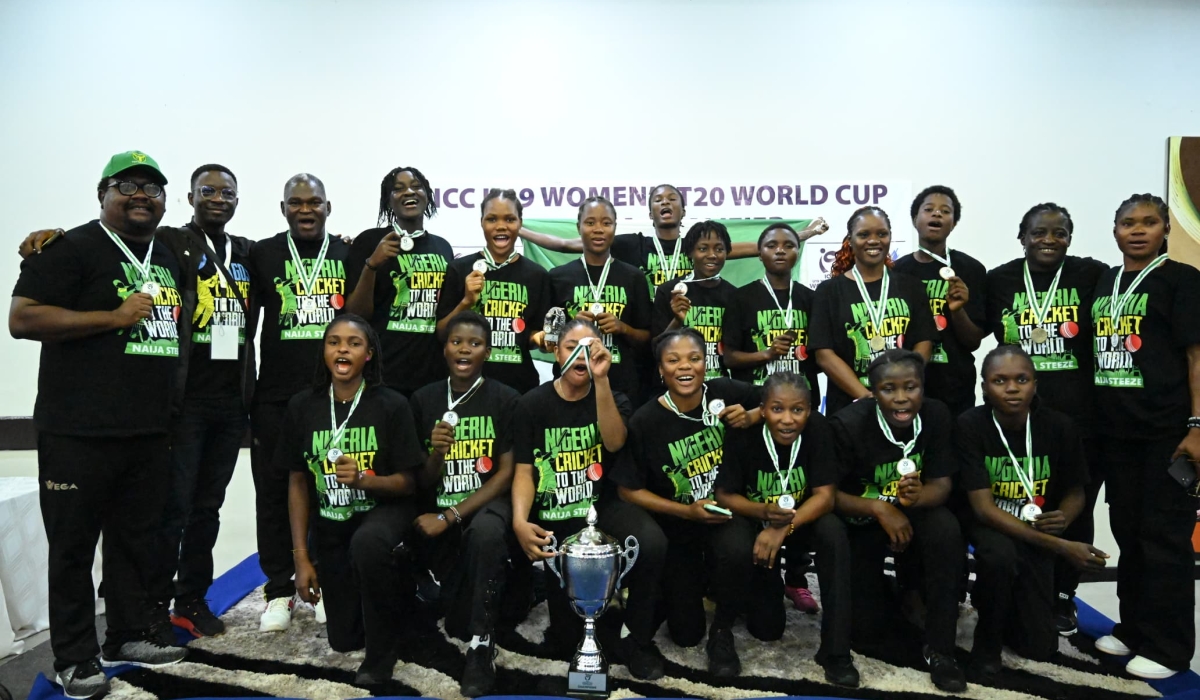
<point x="299" y="550"/>
<point x="1193" y="422"/>
<point x="791" y="529"/>
<point x="369" y="266"/>
<point x="457" y="516"/>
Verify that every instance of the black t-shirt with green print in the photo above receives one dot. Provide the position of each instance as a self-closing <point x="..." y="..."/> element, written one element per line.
<point x="380" y="436"/>
<point x="869" y="459"/>
<point x="624" y="295"/>
<point x="706" y="315"/>
<point x="950" y="375"/>
<point x="291" y="334"/>
<point x="841" y="322"/>
<point x="484" y="432"/>
<point x="1063" y="362"/>
<point x="677" y="458"/>
<point x="405" y="306"/>
<point x="1058" y="464"/>
<point x="115" y="383"/>
<point x="753" y="320"/>
<point x="561" y="439"/>
<point x="637" y="249"/>
<point x="1142" y="379"/>
<point x="218" y="303"/>
<point x="515" y="299"/>
<point x="750" y="471"/>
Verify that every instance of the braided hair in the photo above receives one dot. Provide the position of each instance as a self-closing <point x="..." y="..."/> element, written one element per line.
<point x="703" y="229"/>
<point x="386" y="215"/>
<point x="788" y="379"/>
<point x="1001" y="351"/>
<point x="594" y="199"/>
<point x="661" y="343"/>
<point x="895" y="356"/>
<point x="1044" y="208"/>
<point x="1147" y="198"/>
<point x="844" y="259"/>
<point x="372" y="372"/>
<point x="510" y="195"/>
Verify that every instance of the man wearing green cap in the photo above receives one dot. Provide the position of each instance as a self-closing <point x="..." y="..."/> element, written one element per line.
<point x="105" y="303"/>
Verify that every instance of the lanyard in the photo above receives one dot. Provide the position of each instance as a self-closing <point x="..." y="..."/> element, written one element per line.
<point x="142" y="266"/>
<point x="877" y="311"/>
<point x="787" y="315"/>
<point x="1118" y="301"/>
<point x="945" y="261"/>
<point x="906" y="447"/>
<point x="597" y="289"/>
<point x="337" y="431"/>
<point x="491" y="262"/>
<point x="708" y="418"/>
<point x="662" y="258"/>
<point x="1041" y="311"/>
<point x="228" y="259"/>
<point x="451" y="403"/>
<point x="308" y="279"/>
<point x="1026" y="478"/>
<point x="585" y="349"/>
<point x="407" y="240"/>
<point x="786" y="481"/>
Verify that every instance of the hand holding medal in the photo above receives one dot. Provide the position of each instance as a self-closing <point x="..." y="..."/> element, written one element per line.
<point x="473" y="284"/>
<point x="347" y="470"/>
<point x="680" y="304"/>
<point x="599" y="358"/>
<point x="441" y="439"/>
<point x="388" y="248"/>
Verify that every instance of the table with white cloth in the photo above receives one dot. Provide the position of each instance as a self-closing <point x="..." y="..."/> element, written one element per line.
<point x="24" y="597"/>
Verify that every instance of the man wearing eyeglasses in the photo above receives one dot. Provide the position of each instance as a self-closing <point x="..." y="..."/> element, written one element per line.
<point x="105" y="303"/>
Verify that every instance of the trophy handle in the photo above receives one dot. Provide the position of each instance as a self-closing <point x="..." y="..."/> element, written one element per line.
<point x="630" y="556"/>
<point x="553" y="547"/>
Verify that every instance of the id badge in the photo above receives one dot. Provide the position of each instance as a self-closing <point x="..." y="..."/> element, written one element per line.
<point x="224" y="342"/>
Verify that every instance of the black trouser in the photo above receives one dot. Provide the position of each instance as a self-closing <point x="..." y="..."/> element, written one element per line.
<point x="87" y="486"/>
<point x="758" y="591"/>
<point x="937" y="540"/>
<point x="205" y="440"/>
<point x="1014" y="594"/>
<point x="619" y="520"/>
<point x="271" y="500"/>
<point x="1083" y="529"/>
<point x="478" y="578"/>
<point x="368" y="592"/>
<point x="1152" y="520"/>
<point x="689" y="561"/>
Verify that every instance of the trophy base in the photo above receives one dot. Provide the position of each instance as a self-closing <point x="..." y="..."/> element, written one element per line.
<point x="581" y="684"/>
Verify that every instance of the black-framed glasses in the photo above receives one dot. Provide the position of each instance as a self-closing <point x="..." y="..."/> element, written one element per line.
<point x="127" y="188"/>
<point x="210" y="192"/>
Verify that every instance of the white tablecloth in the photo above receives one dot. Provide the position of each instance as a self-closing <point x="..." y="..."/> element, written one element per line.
<point x="24" y="599"/>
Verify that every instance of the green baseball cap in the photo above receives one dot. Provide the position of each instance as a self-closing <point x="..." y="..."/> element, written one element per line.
<point x="131" y="159"/>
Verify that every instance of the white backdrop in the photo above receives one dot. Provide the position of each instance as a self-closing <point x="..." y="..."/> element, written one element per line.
<point x="1012" y="103"/>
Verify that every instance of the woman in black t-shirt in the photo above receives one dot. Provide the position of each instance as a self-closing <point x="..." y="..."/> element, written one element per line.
<point x="781" y="501"/>
<point x="897" y="467"/>
<point x="676" y="443"/>
<point x="570" y="432"/>
<point x="349" y="494"/>
<point x="1022" y="469"/>
<point x="865" y="309"/>
<point x="698" y="300"/>
<point x="511" y="291"/>
<point x="1147" y="376"/>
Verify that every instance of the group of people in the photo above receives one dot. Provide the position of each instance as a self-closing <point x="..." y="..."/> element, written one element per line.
<point x="445" y="469"/>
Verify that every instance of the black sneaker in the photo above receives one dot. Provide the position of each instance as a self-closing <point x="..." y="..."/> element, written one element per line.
<point x="374" y="673"/>
<point x="479" y="675"/>
<point x="161" y="629"/>
<point x="83" y="680"/>
<point x="944" y="671"/>
<point x="195" y="617"/>
<point x="1066" y="619"/>
<point x="644" y="661"/>
<point x="841" y="672"/>
<point x="723" y="661"/>
<point x="147" y="652"/>
<point x="984" y="669"/>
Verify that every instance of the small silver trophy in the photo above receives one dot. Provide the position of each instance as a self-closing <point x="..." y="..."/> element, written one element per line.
<point x="556" y="319"/>
<point x="588" y="565"/>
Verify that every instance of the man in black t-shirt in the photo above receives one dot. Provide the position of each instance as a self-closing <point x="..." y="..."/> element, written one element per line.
<point x="104" y="303"/>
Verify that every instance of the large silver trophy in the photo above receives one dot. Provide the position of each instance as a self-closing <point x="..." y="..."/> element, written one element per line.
<point x="588" y="564"/>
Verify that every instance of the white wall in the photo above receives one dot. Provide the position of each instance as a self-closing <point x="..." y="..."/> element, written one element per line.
<point x="1011" y="102"/>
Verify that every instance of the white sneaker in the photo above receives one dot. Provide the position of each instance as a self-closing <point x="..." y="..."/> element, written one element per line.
<point x="319" y="610"/>
<point x="278" y="615"/>
<point x="1111" y="645"/>
<point x="1142" y="667"/>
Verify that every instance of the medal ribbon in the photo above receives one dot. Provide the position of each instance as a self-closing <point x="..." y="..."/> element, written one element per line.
<point x="876" y="311"/>
<point x="662" y="258"/>
<point x="1118" y="301"/>
<point x="945" y="261"/>
<point x="405" y="234"/>
<point x="308" y="279"/>
<point x="451" y="403"/>
<point x="491" y="262"/>
<point x="1040" y="312"/>
<point x="142" y="266"/>
<point x="785" y="481"/>
<point x="906" y="447"/>
<point x="597" y="289"/>
<point x="587" y="357"/>
<point x="787" y="315"/>
<point x="337" y="431"/>
<point x="707" y="418"/>
<point x="1026" y="479"/>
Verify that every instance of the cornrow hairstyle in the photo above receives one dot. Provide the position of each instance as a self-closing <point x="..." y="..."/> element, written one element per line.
<point x="1044" y="208"/>
<point x="778" y="226"/>
<point x="895" y="356"/>
<point x="1147" y="198"/>
<point x="372" y="372"/>
<point x="788" y="379"/>
<point x="844" y="259"/>
<point x="661" y="343"/>
<point x="595" y="199"/>
<point x="703" y="229"/>
<point x="936" y="189"/>
<point x="386" y="215"/>
<point x="577" y="323"/>
<point x="471" y="318"/>
<point x="211" y="168"/>
<point x="1001" y="351"/>
<point x="650" y="198"/>
<point x="510" y="195"/>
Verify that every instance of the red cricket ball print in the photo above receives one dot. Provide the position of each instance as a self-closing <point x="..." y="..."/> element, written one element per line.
<point x="940" y="322"/>
<point x="337" y="301"/>
<point x="900" y="341"/>
<point x="1133" y="343"/>
<point x="1069" y="329"/>
<point x="519" y="325"/>
<point x="721" y="348"/>
<point x="483" y="465"/>
<point x="800" y="352"/>
<point x="1039" y="501"/>
<point x="595" y="471"/>
<point x="175" y="312"/>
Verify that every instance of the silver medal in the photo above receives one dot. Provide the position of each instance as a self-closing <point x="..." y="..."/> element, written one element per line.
<point x="596" y="308"/>
<point x="151" y="287"/>
<point x="480" y="266"/>
<point x="716" y="406"/>
<point x="946" y="273"/>
<point x="1039" y="335"/>
<point x="450" y="418"/>
<point x="309" y="304"/>
<point x="333" y="454"/>
<point x="1114" y="342"/>
<point x="406" y="244"/>
<point x="905" y="467"/>
<point x="877" y="343"/>
<point x="787" y="502"/>
<point x="680" y="288"/>
<point x="1030" y="512"/>
<point x="586" y="341"/>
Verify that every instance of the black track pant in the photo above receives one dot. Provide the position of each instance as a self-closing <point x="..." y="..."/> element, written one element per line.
<point x="271" y="500"/>
<point x="1014" y="593"/>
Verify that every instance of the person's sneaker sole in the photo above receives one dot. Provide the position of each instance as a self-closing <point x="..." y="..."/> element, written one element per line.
<point x="1109" y="644"/>
<point x="102" y="690"/>
<point x="110" y="663"/>
<point x="1141" y="667"/>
